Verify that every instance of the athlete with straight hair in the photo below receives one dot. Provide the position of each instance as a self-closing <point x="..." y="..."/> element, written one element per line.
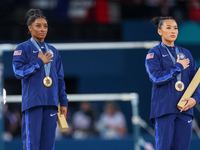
<point x="171" y="69"/>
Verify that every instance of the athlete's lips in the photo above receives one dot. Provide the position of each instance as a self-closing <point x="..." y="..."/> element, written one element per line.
<point x="43" y="34"/>
<point x="173" y="36"/>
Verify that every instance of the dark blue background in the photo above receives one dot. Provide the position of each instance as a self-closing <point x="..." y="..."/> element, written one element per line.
<point x="113" y="71"/>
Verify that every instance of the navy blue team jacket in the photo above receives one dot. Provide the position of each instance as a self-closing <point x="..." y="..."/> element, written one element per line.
<point x="162" y="73"/>
<point x="30" y="69"/>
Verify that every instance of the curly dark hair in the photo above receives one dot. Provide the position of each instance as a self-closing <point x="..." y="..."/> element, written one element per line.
<point x="32" y="15"/>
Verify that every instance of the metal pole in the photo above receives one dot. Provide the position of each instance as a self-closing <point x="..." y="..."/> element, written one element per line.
<point x="135" y="120"/>
<point x="1" y="107"/>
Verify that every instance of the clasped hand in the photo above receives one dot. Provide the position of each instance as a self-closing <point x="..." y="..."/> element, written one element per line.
<point x="63" y="111"/>
<point x="190" y="103"/>
<point x="184" y="62"/>
<point x="46" y="57"/>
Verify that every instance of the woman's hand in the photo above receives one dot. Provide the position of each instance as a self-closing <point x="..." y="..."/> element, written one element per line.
<point x="46" y="58"/>
<point x="184" y="62"/>
<point x="63" y="111"/>
<point x="190" y="103"/>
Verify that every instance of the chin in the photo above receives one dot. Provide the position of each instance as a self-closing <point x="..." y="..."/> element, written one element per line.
<point x="172" y="40"/>
<point x="41" y="37"/>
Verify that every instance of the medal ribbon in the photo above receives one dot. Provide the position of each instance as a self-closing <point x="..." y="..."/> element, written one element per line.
<point x="178" y="77"/>
<point x="48" y="65"/>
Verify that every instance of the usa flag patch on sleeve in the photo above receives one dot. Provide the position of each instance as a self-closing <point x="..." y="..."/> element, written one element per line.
<point x="17" y="52"/>
<point x="150" y="55"/>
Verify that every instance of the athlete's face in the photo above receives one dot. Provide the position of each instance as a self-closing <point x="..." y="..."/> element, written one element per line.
<point x="168" y="32"/>
<point x="39" y="29"/>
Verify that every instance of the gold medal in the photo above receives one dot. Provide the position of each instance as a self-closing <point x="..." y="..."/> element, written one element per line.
<point x="179" y="86"/>
<point x="47" y="81"/>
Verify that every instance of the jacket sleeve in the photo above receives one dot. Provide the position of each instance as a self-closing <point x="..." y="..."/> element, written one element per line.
<point x="155" y="71"/>
<point x="21" y="66"/>
<point x="61" y="83"/>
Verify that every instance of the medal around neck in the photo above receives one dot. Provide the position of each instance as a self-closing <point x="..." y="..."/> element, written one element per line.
<point x="179" y="86"/>
<point x="47" y="81"/>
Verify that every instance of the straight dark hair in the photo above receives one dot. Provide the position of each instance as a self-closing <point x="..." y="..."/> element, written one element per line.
<point x="158" y="21"/>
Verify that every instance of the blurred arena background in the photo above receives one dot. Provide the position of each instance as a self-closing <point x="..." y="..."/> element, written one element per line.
<point x="89" y="71"/>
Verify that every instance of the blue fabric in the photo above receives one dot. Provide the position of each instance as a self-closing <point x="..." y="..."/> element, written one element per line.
<point x="162" y="73"/>
<point x="156" y="135"/>
<point x="25" y="72"/>
<point x="173" y="132"/>
<point x="172" y="50"/>
<point x="173" y="56"/>
<point x="30" y="69"/>
<point x="47" y="66"/>
<point x="38" y="128"/>
<point x="27" y="131"/>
